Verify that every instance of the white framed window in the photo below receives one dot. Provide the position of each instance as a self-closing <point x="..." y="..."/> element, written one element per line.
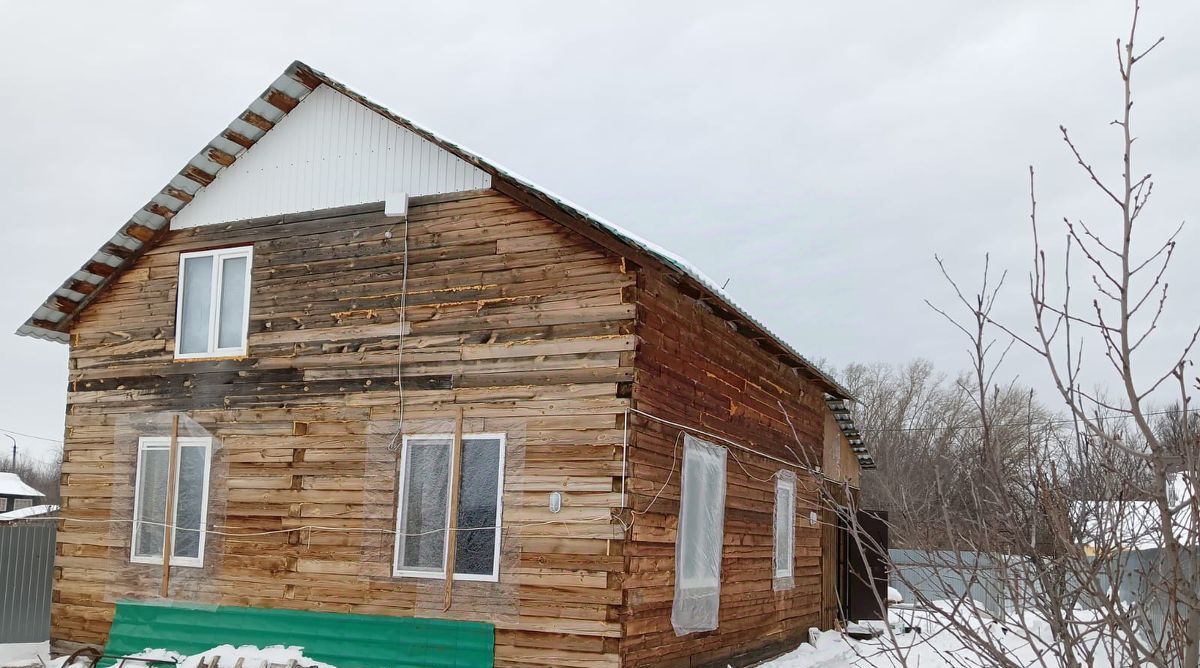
<point x="191" y="501"/>
<point x="213" y="310"/>
<point x="785" y="524"/>
<point x="699" y="538"/>
<point x="423" y="507"/>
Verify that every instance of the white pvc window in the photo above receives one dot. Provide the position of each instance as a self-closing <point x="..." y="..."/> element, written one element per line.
<point x="213" y="310"/>
<point x="423" y="507"/>
<point x="699" y="538"/>
<point x="191" y="501"/>
<point x="785" y="528"/>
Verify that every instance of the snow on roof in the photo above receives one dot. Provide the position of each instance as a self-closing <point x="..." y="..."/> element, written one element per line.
<point x="31" y="511"/>
<point x="12" y="485"/>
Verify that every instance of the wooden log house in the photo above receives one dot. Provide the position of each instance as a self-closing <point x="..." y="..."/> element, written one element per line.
<point x="348" y="314"/>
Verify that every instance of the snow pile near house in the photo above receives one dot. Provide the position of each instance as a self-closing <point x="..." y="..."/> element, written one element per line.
<point x="252" y="657"/>
<point x="894" y="597"/>
<point x="24" y="653"/>
<point x="919" y="638"/>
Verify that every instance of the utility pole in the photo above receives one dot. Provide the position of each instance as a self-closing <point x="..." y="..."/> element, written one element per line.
<point x="13" y="464"/>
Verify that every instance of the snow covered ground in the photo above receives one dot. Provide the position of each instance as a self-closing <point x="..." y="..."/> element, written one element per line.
<point x="24" y="652"/>
<point x="930" y="645"/>
<point x="253" y="657"/>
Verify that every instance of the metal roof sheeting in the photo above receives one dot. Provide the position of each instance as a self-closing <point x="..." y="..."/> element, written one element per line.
<point x="51" y="320"/>
<point x="345" y="640"/>
<point x="841" y="413"/>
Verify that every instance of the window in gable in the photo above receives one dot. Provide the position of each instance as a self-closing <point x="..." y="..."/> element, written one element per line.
<point x="423" y="508"/>
<point x="214" y="303"/>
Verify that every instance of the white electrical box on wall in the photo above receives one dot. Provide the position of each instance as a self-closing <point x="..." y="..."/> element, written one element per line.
<point x="395" y="205"/>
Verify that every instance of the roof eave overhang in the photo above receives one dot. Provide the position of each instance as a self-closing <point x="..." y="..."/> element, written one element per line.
<point x="845" y="421"/>
<point x="52" y="320"/>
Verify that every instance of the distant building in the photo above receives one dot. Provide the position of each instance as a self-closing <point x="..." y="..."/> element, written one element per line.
<point x="14" y="493"/>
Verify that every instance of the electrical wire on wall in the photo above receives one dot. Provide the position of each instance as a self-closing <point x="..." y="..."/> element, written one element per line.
<point x="394" y="446"/>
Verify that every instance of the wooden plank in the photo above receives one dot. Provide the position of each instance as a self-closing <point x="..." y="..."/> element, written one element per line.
<point x="169" y="516"/>
<point x="452" y="519"/>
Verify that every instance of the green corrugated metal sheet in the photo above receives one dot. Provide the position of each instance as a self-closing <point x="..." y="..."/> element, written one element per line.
<point x="343" y="640"/>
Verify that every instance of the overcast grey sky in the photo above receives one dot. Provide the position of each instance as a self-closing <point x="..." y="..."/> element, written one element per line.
<point x="817" y="155"/>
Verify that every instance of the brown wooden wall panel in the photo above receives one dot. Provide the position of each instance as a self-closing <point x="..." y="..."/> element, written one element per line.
<point x="694" y="368"/>
<point x="509" y="316"/>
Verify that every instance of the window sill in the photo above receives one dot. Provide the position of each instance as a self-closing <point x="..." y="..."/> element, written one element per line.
<point x="185" y="562"/>
<point x="221" y="356"/>
<point x="458" y="577"/>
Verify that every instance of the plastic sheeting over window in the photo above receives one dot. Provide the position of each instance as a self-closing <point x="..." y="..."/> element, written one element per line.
<point x="699" y="538"/>
<point x="191" y="494"/>
<point x="785" y="531"/>
<point x="423" y="513"/>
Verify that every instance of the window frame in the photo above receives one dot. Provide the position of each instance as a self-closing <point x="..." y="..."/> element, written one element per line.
<point x="159" y="443"/>
<point x="399" y="572"/>
<point x="219" y="256"/>
<point x="788" y="483"/>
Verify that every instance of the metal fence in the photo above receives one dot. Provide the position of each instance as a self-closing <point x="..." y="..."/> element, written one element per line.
<point x="26" y="579"/>
<point x="1138" y="577"/>
<point x="941" y="574"/>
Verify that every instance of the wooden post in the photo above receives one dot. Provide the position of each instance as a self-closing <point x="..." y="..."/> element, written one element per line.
<point x="452" y="522"/>
<point x="169" y="517"/>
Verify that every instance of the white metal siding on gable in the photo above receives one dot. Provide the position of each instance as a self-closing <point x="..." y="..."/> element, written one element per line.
<point x="329" y="151"/>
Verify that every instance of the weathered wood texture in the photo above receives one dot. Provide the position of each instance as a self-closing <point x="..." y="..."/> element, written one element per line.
<point x="840" y="462"/>
<point x="510" y="316"/>
<point x="695" y="369"/>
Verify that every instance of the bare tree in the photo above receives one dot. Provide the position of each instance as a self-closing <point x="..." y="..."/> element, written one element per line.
<point x="924" y="428"/>
<point x="1084" y="527"/>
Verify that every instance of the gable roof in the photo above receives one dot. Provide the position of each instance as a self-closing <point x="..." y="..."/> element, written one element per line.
<point x="148" y="224"/>
<point x="12" y="485"/>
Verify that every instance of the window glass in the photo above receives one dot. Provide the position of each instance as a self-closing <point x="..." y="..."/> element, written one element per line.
<point x="152" y="502"/>
<point x="424" y="506"/>
<point x="785" y="524"/>
<point x="233" y="303"/>
<point x="475" y="550"/>
<point x="213" y="294"/>
<point x="189" y="506"/>
<point x="191" y="497"/>
<point x="423" y="511"/>
<point x="197" y="304"/>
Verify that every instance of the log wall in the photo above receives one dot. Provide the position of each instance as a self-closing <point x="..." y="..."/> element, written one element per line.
<point x="512" y="317"/>
<point x="694" y="368"/>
